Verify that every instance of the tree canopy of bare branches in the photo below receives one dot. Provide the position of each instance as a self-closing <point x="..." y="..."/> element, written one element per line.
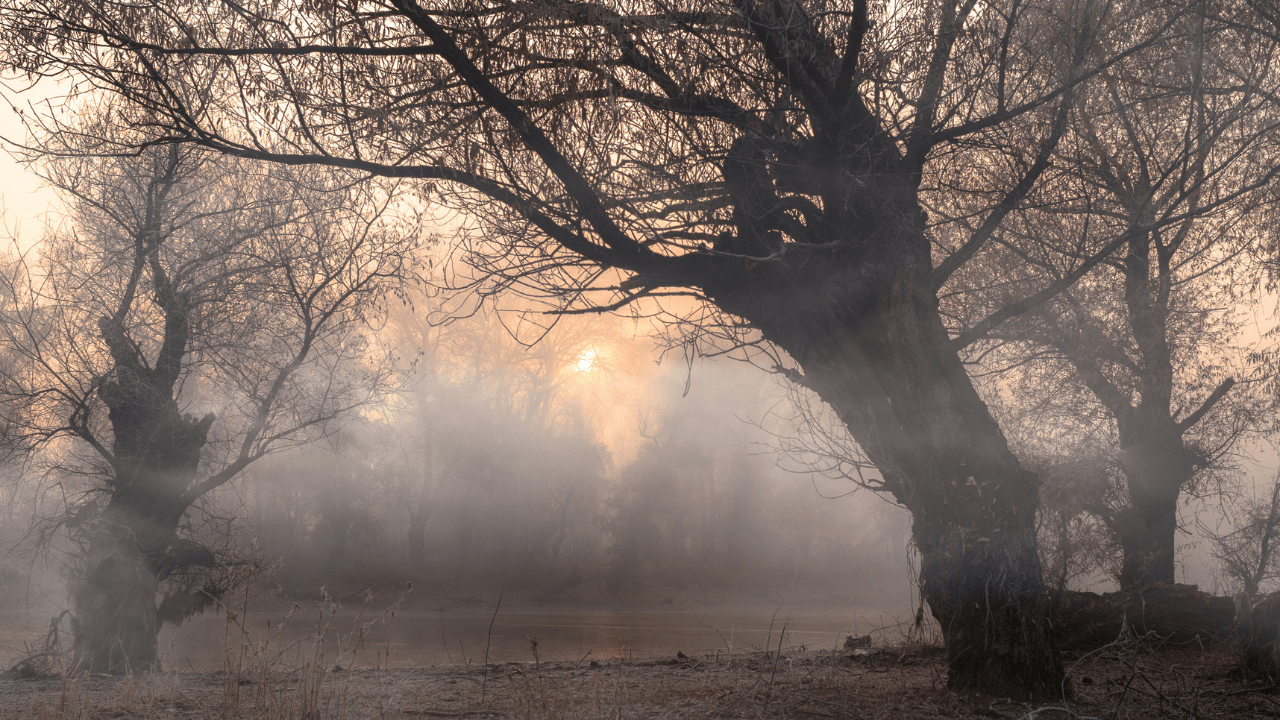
<point x="809" y="176"/>
<point x="191" y="315"/>
<point x="1145" y="356"/>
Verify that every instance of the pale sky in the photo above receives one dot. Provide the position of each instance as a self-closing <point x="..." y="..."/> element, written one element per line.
<point x="23" y="199"/>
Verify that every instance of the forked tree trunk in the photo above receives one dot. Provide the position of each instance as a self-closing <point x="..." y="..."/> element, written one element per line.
<point x="132" y="544"/>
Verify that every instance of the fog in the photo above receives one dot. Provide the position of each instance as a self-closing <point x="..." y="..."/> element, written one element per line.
<point x="568" y="465"/>
<point x="614" y="324"/>
<point x="586" y="471"/>
<point x="576" y="471"/>
<point x="592" y="470"/>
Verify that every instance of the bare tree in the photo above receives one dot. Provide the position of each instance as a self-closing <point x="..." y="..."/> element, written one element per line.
<point x="1074" y="543"/>
<point x="756" y="170"/>
<point x="1150" y="342"/>
<point x="193" y="315"/>
<point x="1247" y="549"/>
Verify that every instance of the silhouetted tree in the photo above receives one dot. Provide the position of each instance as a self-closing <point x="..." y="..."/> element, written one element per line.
<point x="192" y="315"/>
<point x="1174" y="155"/>
<point x="1246" y="549"/>
<point x="770" y="164"/>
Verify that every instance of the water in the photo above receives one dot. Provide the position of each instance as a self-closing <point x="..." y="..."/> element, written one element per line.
<point x="462" y="636"/>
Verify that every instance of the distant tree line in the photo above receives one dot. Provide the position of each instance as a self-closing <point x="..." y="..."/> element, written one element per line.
<point x="538" y="504"/>
<point x="884" y="203"/>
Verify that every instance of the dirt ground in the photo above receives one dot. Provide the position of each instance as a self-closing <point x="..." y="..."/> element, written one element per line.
<point x="1134" y="679"/>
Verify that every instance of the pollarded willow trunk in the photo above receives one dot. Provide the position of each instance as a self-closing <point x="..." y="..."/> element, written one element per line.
<point x="130" y="548"/>
<point x="1156" y="468"/>
<point x="874" y="348"/>
<point x="973" y="506"/>
<point x="115" y="620"/>
<point x="1147" y="533"/>
<point x="133" y="544"/>
<point x="113" y="601"/>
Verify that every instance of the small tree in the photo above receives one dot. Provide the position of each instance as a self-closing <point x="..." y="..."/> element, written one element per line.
<point x="1247" y="550"/>
<point x="192" y="315"/>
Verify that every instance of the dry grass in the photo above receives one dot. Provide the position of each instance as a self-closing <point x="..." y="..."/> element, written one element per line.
<point x="1132" y="678"/>
<point x="1128" y="681"/>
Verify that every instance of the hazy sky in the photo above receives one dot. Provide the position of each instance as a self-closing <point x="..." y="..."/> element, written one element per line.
<point x="26" y="206"/>
<point x="25" y="202"/>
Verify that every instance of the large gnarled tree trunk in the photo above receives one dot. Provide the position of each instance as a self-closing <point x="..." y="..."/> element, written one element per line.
<point x="813" y="234"/>
<point x="973" y="506"/>
<point x="871" y="345"/>
<point x="134" y="543"/>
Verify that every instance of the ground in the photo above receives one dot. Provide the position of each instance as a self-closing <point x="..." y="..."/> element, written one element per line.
<point x="1135" y="679"/>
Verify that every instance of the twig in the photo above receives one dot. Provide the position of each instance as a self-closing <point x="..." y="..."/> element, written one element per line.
<point x="727" y="643"/>
<point x="488" y="641"/>
<point x="768" y="692"/>
<point x="1123" y="694"/>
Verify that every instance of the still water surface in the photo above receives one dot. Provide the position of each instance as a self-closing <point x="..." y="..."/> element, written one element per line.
<point x="461" y="636"/>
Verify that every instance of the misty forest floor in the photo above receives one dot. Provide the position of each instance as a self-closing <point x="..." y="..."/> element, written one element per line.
<point x="1131" y="680"/>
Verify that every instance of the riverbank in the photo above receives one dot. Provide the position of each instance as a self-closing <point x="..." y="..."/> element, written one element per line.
<point x="1131" y="680"/>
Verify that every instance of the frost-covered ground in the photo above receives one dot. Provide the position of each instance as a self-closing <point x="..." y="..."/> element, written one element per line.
<point x="896" y="683"/>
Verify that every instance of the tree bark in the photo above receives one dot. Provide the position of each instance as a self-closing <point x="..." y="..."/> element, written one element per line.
<point x="973" y="510"/>
<point x="114" y="623"/>
<point x="1146" y="531"/>
<point x="874" y="348"/>
<point x="129" y="550"/>
<point x="1156" y="465"/>
<point x="132" y="545"/>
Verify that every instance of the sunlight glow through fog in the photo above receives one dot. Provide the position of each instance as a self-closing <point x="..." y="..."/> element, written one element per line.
<point x="587" y="360"/>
